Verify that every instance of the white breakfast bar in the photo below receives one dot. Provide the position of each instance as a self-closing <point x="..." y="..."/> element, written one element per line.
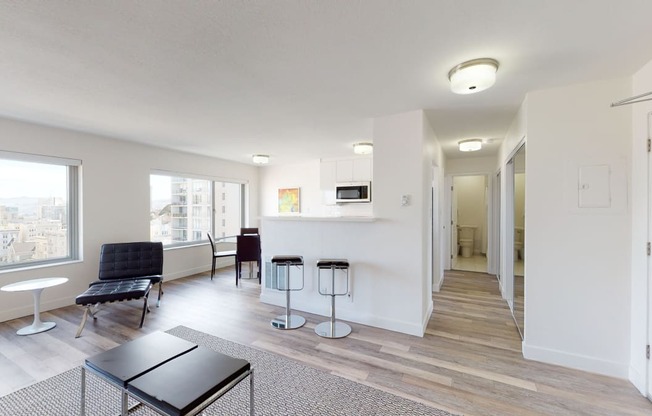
<point x="380" y="276"/>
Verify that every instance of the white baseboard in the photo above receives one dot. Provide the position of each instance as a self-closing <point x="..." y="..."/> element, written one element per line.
<point x="426" y="318"/>
<point x="576" y="361"/>
<point x="638" y="380"/>
<point x="221" y="263"/>
<point x="185" y="273"/>
<point x="278" y="299"/>
<point x="28" y="309"/>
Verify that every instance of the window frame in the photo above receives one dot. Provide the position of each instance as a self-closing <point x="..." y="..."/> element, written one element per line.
<point x="213" y="180"/>
<point x="73" y="205"/>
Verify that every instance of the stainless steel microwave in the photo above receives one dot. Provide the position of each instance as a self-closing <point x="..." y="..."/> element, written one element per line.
<point x="353" y="192"/>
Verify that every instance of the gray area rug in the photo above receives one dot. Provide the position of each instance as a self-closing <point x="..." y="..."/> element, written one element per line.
<point x="282" y="387"/>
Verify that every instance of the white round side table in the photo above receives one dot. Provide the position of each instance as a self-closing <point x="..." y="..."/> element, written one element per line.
<point x="36" y="286"/>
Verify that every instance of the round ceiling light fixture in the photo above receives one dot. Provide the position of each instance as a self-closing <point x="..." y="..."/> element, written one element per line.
<point x="363" y="148"/>
<point x="470" y="145"/>
<point x="473" y="76"/>
<point x="260" y="159"/>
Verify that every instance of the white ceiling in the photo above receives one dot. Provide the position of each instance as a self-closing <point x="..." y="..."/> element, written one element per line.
<point x="299" y="78"/>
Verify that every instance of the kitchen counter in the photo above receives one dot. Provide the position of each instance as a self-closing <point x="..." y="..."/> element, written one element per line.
<point x="378" y="274"/>
<point x="332" y="218"/>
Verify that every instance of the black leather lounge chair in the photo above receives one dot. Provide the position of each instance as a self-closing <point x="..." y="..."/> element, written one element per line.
<point x="127" y="272"/>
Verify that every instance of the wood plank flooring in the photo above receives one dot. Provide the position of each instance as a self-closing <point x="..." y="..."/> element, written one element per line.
<point x="469" y="362"/>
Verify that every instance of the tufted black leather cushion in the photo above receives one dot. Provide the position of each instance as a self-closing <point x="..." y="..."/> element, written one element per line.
<point x="131" y="260"/>
<point x="293" y="260"/>
<point x="111" y="291"/>
<point x="333" y="263"/>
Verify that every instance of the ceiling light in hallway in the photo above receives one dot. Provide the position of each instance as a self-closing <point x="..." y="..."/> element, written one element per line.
<point x="363" y="148"/>
<point x="261" y="159"/>
<point x="470" y="145"/>
<point x="473" y="76"/>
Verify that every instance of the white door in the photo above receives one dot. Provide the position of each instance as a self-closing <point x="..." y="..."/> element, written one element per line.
<point x="454" y="248"/>
<point x="436" y="240"/>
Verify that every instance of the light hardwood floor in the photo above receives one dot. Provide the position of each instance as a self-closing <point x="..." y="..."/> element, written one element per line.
<point x="469" y="361"/>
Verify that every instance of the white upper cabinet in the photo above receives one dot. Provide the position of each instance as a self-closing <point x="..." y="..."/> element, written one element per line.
<point x="362" y="171"/>
<point x="343" y="170"/>
<point x="354" y="170"/>
<point x="327" y="180"/>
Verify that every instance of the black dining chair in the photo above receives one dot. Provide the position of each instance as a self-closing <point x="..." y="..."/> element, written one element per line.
<point x="249" y="231"/>
<point x="219" y="254"/>
<point x="247" y="249"/>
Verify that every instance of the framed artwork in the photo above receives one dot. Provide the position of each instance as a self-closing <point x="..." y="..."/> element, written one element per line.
<point x="289" y="201"/>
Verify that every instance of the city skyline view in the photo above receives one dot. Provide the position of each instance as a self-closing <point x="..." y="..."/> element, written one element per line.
<point x="33" y="211"/>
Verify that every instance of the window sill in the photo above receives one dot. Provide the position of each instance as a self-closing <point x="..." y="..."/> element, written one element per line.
<point x="39" y="266"/>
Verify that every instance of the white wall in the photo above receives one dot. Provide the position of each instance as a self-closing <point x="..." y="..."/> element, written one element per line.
<point x="577" y="284"/>
<point x="399" y="142"/>
<point x="389" y="257"/>
<point x="642" y="83"/>
<point x="430" y="156"/>
<point x="437" y="161"/>
<point x="471" y="165"/>
<point x="304" y="175"/>
<point x="513" y="139"/>
<point x="115" y="204"/>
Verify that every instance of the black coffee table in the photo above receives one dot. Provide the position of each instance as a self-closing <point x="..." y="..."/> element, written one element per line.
<point x="168" y="374"/>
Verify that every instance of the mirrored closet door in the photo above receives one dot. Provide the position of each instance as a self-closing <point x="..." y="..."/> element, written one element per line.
<point x="518" y="301"/>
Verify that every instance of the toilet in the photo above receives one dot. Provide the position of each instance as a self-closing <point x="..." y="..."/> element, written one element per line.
<point x="465" y="239"/>
<point x="519" y="238"/>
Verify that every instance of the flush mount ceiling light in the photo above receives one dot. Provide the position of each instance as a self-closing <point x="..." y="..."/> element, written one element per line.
<point x="363" y="148"/>
<point x="261" y="159"/>
<point x="473" y="76"/>
<point x="470" y="145"/>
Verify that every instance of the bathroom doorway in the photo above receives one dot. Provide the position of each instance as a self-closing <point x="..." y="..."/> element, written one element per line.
<point x="469" y="229"/>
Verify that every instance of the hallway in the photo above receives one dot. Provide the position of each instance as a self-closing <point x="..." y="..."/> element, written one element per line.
<point x="473" y="331"/>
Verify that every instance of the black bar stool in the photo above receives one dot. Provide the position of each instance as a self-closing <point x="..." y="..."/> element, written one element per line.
<point x="333" y="328"/>
<point x="287" y="321"/>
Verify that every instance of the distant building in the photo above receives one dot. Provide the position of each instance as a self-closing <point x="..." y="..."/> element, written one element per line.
<point x="8" y="214"/>
<point x="55" y="213"/>
<point x="190" y="209"/>
<point x="21" y="252"/>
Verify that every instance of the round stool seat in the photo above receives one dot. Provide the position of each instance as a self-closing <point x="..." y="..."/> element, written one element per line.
<point x="335" y="329"/>
<point x="292" y="260"/>
<point x="336" y="263"/>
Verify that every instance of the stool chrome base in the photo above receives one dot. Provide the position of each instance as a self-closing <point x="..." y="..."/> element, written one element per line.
<point x="333" y="330"/>
<point x="294" y="322"/>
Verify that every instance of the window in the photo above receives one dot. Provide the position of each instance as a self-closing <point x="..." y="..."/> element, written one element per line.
<point x="181" y="209"/>
<point x="229" y="208"/>
<point x="38" y="210"/>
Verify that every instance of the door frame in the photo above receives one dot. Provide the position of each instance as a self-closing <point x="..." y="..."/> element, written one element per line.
<point x="493" y="249"/>
<point x="648" y="369"/>
<point x="436" y="267"/>
<point x="507" y="247"/>
<point x="493" y="233"/>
